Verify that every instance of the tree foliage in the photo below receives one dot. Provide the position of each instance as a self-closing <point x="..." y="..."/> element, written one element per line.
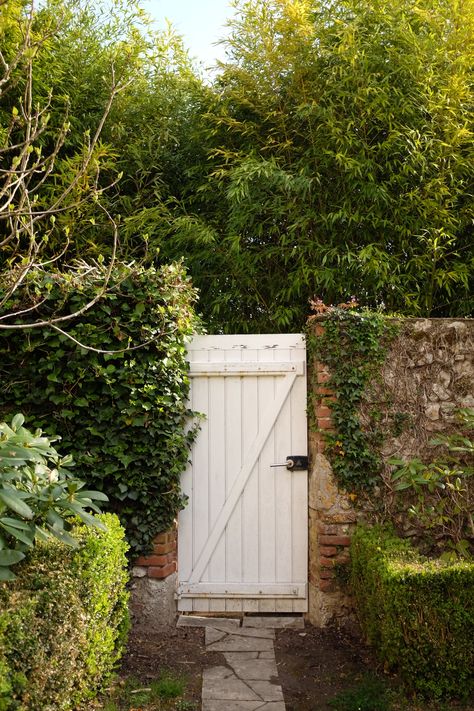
<point x="340" y="162"/>
<point x="331" y="154"/>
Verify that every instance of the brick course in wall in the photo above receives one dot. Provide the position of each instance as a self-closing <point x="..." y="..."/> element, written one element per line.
<point x="163" y="561"/>
<point x="331" y="517"/>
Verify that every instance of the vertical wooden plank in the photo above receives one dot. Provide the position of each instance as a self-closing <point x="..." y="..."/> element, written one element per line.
<point x="217" y="464"/>
<point x="283" y="507"/>
<point x="216" y="604"/>
<point x="185" y="605"/>
<point x="299" y="497"/>
<point x="200" y="605"/>
<point x="266" y="479"/>
<point x="200" y="463"/>
<point x="250" y="605"/>
<point x="185" y="517"/>
<point x="232" y="605"/>
<point x="266" y="606"/>
<point x="233" y="448"/>
<point x="249" y="426"/>
<point x="300" y="606"/>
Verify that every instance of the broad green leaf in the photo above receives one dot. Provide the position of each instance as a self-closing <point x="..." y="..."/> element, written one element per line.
<point x="6" y="574"/>
<point x="10" y="557"/>
<point x="15" y="503"/>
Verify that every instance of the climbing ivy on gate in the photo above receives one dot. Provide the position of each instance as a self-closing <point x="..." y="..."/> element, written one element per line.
<point x="353" y="345"/>
<point x="122" y="415"/>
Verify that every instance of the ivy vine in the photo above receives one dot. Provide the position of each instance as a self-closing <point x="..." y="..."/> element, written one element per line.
<point x="121" y="413"/>
<point x="353" y="345"/>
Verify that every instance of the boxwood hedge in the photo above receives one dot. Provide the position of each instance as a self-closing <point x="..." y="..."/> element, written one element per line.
<point x="63" y="621"/>
<point x="417" y="613"/>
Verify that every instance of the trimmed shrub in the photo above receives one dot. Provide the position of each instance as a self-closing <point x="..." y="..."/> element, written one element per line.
<point x="122" y="414"/>
<point x="63" y="621"/>
<point x="417" y="613"/>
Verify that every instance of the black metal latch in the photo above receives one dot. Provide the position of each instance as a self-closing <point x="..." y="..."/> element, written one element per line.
<point x="294" y="462"/>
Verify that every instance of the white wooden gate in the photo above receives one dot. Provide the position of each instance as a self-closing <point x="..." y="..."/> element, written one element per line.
<point x="242" y="538"/>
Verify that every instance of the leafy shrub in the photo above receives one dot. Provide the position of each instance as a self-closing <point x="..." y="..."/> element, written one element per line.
<point x="121" y="413"/>
<point x="418" y="613"/>
<point x="37" y="494"/>
<point x="63" y="620"/>
<point x="442" y="492"/>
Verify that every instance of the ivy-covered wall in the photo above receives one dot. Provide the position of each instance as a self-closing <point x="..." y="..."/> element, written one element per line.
<point x="408" y="380"/>
<point x="111" y="383"/>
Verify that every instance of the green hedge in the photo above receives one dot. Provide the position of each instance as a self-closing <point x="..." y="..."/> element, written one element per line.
<point x="63" y="621"/>
<point x="123" y="415"/>
<point x="417" y="613"/>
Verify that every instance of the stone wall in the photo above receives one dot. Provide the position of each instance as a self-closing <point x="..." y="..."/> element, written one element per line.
<point x="154" y="580"/>
<point x="427" y="376"/>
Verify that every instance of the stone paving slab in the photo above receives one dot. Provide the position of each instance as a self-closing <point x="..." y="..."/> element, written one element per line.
<point x="266" y="690"/>
<point x="229" y="689"/>
<point x="252" y="669"/>
<point x="214" y="633"/>
<point x="249" y="681"/>
<point x="221" y="622"/>
<point x="273" y="622"/>
<point x="234" y="643"/>
<point x="215" y="705"/>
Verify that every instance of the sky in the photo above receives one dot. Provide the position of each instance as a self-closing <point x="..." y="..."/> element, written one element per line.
<point x="201" y="22"/>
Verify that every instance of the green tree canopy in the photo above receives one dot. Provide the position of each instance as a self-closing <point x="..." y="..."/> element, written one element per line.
<point x="340" y="162"/>
<point x="330" y="156"/>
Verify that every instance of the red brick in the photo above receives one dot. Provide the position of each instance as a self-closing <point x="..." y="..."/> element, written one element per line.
<point x="161" y="538"/>
<point x="334" y="540"/>
<point x="326" y="586"/>
<point x="322" y="391"/>
<point x="323" y="411"/>
<point x="161" y="548"/>
<point x="323" y="376"/>
<point x="152" y="560"/>
<point x="325" y="424"/>
<point x="323" y="574"/>
<point x="162" y="572"/>
<point x="343" y="557"/>
<point x="328" y="550"/>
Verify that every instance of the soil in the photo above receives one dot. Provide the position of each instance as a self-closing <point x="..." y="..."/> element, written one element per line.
<point x="314" y="665"/>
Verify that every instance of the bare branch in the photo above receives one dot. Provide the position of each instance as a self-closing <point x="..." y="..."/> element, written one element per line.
<point x="113" y="352"/>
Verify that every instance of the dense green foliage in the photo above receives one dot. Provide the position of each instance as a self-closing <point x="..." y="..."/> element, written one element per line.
<point x="442" y="492"/>
<point x="417" y="613"/>
<point x="331" y="155"/>
<point x="353" y="346"/>
<point x="120" y="407"/>
<point x="340" y="149"/>
<point x="37" y="494"/>
<point x="63" y="621"/>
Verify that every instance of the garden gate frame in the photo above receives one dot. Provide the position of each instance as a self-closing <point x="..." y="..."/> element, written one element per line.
<point x="243" y="536"/>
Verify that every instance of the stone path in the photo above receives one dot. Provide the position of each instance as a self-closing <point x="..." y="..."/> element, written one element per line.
<point x="249" y="680"/>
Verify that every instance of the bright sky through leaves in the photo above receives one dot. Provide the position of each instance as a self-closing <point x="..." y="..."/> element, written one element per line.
<point x="201" y="22"/>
